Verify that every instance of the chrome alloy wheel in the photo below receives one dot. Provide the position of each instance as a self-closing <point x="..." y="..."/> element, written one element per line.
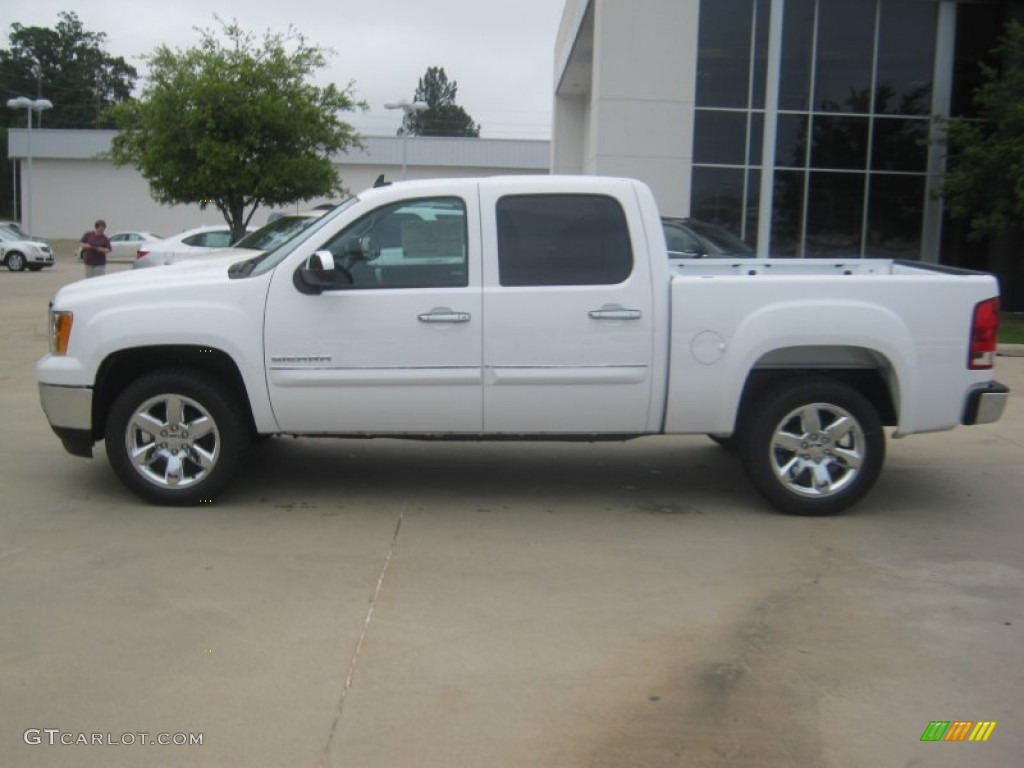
<point x="817" y="450"/>
<point x="172" y="441"/>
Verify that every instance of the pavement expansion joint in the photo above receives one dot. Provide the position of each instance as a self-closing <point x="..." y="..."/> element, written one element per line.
<point x="362" y="637"/>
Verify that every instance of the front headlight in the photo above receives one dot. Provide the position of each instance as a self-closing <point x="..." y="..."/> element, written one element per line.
<point x="60" y="332"/>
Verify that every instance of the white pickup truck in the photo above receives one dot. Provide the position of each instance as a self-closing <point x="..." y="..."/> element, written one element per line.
<point x="518" y="307"/>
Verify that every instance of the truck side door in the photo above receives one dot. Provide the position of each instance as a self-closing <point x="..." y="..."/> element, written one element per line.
<point x="395" y="346"/>
<point x="568" y="328"/>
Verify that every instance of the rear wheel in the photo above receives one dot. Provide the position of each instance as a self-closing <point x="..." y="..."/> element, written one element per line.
<point x="15" y="262"/>
<point x="176" y="437"/>
<point x="814" y="447"/>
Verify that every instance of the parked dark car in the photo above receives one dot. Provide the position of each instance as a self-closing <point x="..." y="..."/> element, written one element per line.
<point x="693" y="239"/>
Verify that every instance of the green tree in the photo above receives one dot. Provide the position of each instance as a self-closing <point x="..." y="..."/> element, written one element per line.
<point x="984" y="183"/>
<point x="67" y="65"/>
<point x="234" y="123"/>
<point x="442" y="117"/>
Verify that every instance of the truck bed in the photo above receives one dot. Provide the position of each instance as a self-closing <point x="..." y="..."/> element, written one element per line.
<point x="793" y="267"/>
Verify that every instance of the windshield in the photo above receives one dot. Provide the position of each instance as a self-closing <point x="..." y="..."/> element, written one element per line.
<point x="721" y="238"/>
<point x="265" y="262"/>
<point x="277" y="232"/>
<point x="12" y="228"/>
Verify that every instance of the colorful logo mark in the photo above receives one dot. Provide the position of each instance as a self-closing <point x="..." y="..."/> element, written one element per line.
<point x="958" y="730"/>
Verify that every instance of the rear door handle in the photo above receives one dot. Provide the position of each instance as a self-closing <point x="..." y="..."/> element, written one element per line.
<point x="444" y="316"/>
<point x="615" y="313"/>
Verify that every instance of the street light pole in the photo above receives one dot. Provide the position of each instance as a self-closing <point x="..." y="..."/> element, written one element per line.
<point x="407" y="108"/>
<point x="30" y="106"/>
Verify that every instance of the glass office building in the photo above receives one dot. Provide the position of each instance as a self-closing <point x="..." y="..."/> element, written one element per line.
<point x="807" y="127"/>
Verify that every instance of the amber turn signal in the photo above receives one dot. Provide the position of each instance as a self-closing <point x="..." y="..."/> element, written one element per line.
<point x="60" y="332"/>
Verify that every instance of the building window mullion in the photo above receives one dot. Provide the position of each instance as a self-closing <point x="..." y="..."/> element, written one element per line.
<point x="802" y="239"/>
<point x="771" y="119"/>
<point x="871" y="129"/>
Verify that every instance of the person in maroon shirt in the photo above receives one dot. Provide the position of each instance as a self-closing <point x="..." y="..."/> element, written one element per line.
<point x="95" y="247"/>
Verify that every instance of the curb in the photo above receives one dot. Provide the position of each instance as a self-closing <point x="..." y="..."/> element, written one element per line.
<point x="1010" y="350"/>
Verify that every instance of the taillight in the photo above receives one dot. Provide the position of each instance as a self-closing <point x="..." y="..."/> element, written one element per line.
<point x="984" y="330"/>
<point x="140" y="253"/>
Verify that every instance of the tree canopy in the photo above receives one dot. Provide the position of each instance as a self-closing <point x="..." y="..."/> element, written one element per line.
<point x="984" y="183"/>
<point x="67" y="65"/>
<point x="442" y="117"/>
<point x="234" y="123"/>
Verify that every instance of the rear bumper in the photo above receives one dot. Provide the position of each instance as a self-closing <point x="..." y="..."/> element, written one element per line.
<point x="986" y="404"/>
<point x="69" y="411"/>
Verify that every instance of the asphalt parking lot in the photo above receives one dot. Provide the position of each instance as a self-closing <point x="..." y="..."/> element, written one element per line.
<point x="384" y="604"/>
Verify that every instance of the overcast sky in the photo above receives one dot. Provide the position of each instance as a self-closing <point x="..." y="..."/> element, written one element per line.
<point x="500" y="52"/>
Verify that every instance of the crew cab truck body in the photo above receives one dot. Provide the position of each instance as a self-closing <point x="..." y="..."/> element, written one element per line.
<point x="519" y="307"/>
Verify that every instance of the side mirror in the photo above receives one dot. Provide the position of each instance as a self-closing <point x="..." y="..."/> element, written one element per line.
<point x="321" y="261"/>
<point x="316" y="273"/>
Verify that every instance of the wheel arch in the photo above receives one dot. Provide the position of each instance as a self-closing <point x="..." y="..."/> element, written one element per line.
<point x="864" y="369"/>
<point x="121" y="368"/>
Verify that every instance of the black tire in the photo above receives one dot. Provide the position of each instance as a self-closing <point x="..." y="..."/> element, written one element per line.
<point x="15" y="261"/>
<point x="813" y="446"/>
<point x="179" y="460"/>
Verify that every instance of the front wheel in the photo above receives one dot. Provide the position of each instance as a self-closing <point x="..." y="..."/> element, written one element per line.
<point x="176" y="437"/>
<point x="814" y="447"/>
<point x="15" y="262"/>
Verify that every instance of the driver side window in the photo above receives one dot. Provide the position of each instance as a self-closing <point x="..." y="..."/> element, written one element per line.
<point x="411" y="244"/>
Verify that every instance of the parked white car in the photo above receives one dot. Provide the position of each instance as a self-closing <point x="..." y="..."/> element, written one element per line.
<point x="17" y="253"/>
<point x="125" y="245"/>
<point x="276" y="232"/>
<point x="193" y="242"/>
<point x="266" y="238"/>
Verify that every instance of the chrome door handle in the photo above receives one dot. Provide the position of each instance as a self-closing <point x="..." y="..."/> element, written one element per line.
<point x="615" y="313"/>
<point x="444" y="317"/>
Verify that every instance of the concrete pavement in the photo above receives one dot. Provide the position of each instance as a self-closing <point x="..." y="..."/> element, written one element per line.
<point x="380" y="603"/>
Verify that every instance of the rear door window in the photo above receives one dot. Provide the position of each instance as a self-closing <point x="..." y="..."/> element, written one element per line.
<point x="562" y="239"/>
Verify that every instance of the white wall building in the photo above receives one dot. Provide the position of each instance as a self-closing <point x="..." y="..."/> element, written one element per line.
<point x="625" y="74"/>
<point x="73" y="184"/>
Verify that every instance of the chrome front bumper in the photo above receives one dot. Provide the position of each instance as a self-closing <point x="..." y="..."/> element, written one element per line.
<point x="987" y="404"/>
<point x="69" y="411"/>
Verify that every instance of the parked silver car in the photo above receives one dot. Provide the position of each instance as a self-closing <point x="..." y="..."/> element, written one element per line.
<point x="19" y="252"/>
